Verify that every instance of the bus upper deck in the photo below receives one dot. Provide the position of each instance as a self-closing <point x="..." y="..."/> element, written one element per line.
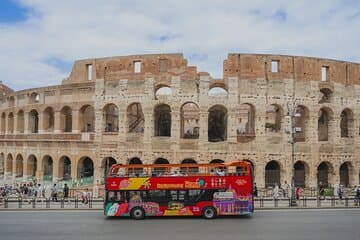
<point x="240" y="168"/>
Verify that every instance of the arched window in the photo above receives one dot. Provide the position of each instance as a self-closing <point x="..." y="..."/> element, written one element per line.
<point x="48" y="168"/>
<point x="217" y="124"/>
<point x="274" y="118"/>
<point x="162" y="115"/>
<point x="111" y="115"/>
<point x="33" y="121"/>
<point x="345" y="170"/>
<point x="301" y="123"/>
<point x="323" y="173"/>
<point x="87" y="118"/>
<point x="34" y="98"/>
<point x="190" y="116"/>
<point x="300" y="174"/>
<point x="246" y="123"/>
<point x="136" y="171"/>
<point x="346" y="123"/>
<point x="65" y="168"/>
<point x="162" y="91"/>
<point x="9" y="165"/>
<point x="325" y="95"/>
<point x="19" y="166"/>
<point x="192" y="169"/>
<point x="66" y="119"/>
<point x="324" y="124"/>
<point x="135" y="118"/>
<point x="217" y="91"/>
<point x="85" y="168"/>
<point x="11" y="123"/>
<point x="3" y="122"/>
<point x="272" y="174"/>
<point x="158" y="171"/>
<point x="48" y="119"/>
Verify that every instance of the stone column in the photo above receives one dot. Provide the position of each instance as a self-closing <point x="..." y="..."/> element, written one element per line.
<point x="57" y="122"/>
<point x="175" y="124"/>
<point x="56" y="175"/>
<point x="15" y="129"/>
<point x="74" y="169"/>
<point x="75" y="121"/>
<point x="41" y="122"/>
<point x="26" y="123"/>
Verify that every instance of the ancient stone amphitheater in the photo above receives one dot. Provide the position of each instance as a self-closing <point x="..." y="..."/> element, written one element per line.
<point x="157" y="109"/>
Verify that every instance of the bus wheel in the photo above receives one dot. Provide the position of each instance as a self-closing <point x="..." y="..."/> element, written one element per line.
<point x="137" y="213"/>
<point x="209" y="212"/>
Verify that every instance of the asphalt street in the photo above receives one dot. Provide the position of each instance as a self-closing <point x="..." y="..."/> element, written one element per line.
<point x="266" y="224"/>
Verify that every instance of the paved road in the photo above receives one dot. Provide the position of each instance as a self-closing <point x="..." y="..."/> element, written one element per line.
<point x="87" y="225"/>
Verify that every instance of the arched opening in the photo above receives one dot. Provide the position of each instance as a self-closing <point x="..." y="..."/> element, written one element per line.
<point x="65" y="168"/>
<point x="216" y="161"/>
<point x="217" y="91"/>
<point x="162" y="91"/>
<point x="9" y="165"/>
<point x="162" y="114"/>
<point x="48" y="168"/>
<point x="135" y="118"/>
<point x="10" y="123"/>
<point x="300" y="174"/>
<point x="19" y="166"/>
<point x="274" y="118"/>
<point x="33" y="121"/>
<point x="85" y="168"/>
<point x="346" y="123"/>
<point x="135" y="171"/>
<point x="190" y="116"/>
<point x="87" y="118"/>
<point x="272" y="174"/>
<point x="246" y="123"/>
<point x="301" y="123"/>
<point x="66" y="119"/>
<point x="106" y="165"/>
<point x="31" y="166"/>
<point x="191" y="170"/>
<point x="323" y="174"/>
<point x="48" y="119"/>
<point x="3" y="122"/>
<point x="34" y="98"/>
<point x="217" y="124"/>
<point x="158" y="171"/>
<point x="345" y="174"/>
<point x="325" y="95"/>
<point x="324" y="124"/>
<point x="111" y="115"/>
<point x="20" y="122"/>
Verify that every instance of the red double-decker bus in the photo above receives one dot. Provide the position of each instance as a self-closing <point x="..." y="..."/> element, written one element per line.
<point x="207" y="190"/>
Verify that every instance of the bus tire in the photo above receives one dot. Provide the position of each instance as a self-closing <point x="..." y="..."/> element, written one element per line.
<point x="209" y="212"/>
<point x="137" y="213"/>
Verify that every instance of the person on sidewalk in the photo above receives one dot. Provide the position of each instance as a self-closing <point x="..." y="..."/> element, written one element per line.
<point x="297" y="193"/>
<point x="357" y="195"/>
<point x="255" y="193"/>
<point x="54" y="193"/>
<point x="276" y="192"/>
<point x="66" y="193"/>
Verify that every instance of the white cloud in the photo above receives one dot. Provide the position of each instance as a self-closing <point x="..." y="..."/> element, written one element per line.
<point x="205" y="31"/>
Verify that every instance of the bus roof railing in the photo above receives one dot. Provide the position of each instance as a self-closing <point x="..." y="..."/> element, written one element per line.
<point x="188" y="169"/>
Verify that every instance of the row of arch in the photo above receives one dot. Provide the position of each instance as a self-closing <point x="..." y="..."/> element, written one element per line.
<point x="85" y="168"/>
<point x="190" y="121"/>
<point x="32" y="121"/>
<point x="15" y="166"/>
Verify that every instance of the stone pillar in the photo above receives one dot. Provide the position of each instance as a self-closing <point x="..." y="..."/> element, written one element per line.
<point x="56" y="174"/>
<point x="175" y="123"/>
<point x="75" y="121"/>
<point x="148" y="126"/>
<point x="26" y="123"/>
<point x="203" y="105"/>
<point x="57" y="122"/>
<point x="74" y="169"/>
<point x="203" y="123"/>
<point x="41" y="122"/>
<point x="15" y="129"/>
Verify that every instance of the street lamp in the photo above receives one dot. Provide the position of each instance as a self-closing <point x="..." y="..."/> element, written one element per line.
<point x="292" y="113"/>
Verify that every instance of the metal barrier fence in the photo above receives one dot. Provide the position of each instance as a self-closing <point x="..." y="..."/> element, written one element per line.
<point x="259" y="203"/>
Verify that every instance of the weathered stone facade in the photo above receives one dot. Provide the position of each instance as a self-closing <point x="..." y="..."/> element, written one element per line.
<point x="113" y="109"/>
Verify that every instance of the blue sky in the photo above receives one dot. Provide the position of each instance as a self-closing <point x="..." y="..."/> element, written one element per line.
<point x="40" y="39"/>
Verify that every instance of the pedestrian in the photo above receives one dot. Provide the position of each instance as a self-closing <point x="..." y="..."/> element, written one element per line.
<point x="276" y="192"/>
<point x="95" y="191"/>
<point x="321" y="190"/>
<point x="297" y="193"/>
<point x="255" y="193"/>
<point x="286" y="190"/>
<point x="66" y="192"/>
<point x="54" y="193"/>
<point x="357" y="195"/>
<point x="340" y="193"/>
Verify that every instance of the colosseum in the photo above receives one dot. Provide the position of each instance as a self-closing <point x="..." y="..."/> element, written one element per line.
<point x="272" y="110"/>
